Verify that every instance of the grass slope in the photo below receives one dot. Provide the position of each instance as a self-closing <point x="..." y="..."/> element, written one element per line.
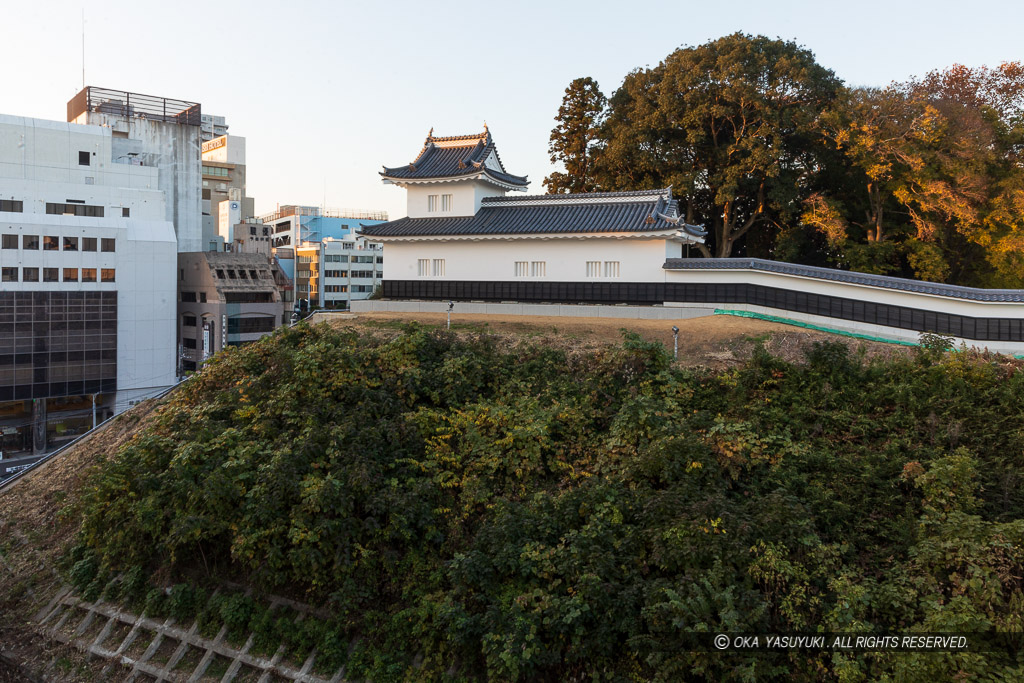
<point x="465" y="508"/>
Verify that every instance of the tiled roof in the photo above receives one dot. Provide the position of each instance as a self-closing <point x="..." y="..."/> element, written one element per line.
<point x="610" y="212"/>
<point x="453" y="157"/>
<point x="847" y="276"/>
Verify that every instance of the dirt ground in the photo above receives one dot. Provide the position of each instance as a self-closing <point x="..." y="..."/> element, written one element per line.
<point x="715" y="341"/>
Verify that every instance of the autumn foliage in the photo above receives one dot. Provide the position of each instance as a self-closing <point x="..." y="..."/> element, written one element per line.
<point x="779" y="159"/>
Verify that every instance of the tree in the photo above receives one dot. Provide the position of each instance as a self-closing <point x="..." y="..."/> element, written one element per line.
<point x="730" y="125"/>
<point x="937" y="160"/>
<point x="574" y="138"/>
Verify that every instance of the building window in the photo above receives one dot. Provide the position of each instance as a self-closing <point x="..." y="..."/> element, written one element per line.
<point x="70" y="244"/>
<point x="8" y="274"/>
<point x="250" y="325"/>
<point x="423" y="267"/>
<point x="188" y="321"/>
<point x="432" y="202"/>
<point x="188" y="343"/>
<point x="83" y="158"/>
<point x="202" y="297"/>
<point x="593" y="269"/>
<point x="107" y="274"/>
<point x="30" y="274"/>
<point x="11" y="205"/>
<point x="30" y="241"/>
<point x="71" y="275"/>
<point x="125" y="212"/>
<point x="188" y="297"/>
<point x="51" y="243"/>
<point x="248" y="298"/>
<point x="369" y="273"/>
<point x="107" y="244"/>
<point x="336" y="289"/>
<point x="10" y="242"/>
<point x="611" y="268"/>
<point x="438" y="267"/>
<point x="51" y="275"/>
<point x="522" y="268"/>
<point x="538" y="268"/>
<point x="253" y="275"/>
<point x="74" y="209"/>
<point x="88" y="275"/>
<point x="88" y="244"/>
<point x="446" y="202"/>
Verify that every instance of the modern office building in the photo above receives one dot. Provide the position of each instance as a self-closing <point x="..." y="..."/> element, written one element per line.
<point x="293" y="228"/>
<point x="225" y="203"/>
<point x="212" y="127"/>
<point x="87" y="260"/>
<point x="334" y="272"/>
<point x="227" y="299"/>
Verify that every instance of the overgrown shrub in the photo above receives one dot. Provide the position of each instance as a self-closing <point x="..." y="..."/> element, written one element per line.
<point x="522" y="513"/>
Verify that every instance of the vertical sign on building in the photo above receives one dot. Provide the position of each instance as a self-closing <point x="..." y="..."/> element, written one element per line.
<point x="206" y="340"/>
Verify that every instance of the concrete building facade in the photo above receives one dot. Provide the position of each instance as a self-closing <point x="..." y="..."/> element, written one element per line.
<point x="154" y="132"/>
<point x="225" y="203"/>
<point x="227" y="299"/>
<point x="335" y="272"/>
<point x="87" y="260"/>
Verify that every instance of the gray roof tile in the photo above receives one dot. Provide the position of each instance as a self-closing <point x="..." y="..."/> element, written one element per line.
<point x="851" y="277"/>
<point x="549" y="214"/>
<point x="452" y="161"/>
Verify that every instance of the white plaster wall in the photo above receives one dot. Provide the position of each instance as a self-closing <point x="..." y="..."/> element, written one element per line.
<point x="466" y="196"/>
<point x="852" y="291"/>
<point x="640" y="260"/>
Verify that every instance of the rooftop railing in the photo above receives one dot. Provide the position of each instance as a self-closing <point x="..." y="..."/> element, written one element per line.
<point x="316" y="211"/>
<point x="134" y="105"/>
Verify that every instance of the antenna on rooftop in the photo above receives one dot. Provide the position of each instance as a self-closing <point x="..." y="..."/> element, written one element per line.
<point x="83" y="48"/>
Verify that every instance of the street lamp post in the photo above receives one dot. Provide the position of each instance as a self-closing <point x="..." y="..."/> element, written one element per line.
<point x="675" y="342"/>
<point x="451" y="305"/>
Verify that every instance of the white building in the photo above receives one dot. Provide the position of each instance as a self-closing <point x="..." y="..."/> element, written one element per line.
<point x="88" y="263"/>
<point x="463" y="238"/>
<point x="154" y="132"/>
<point x="335" y="272"/>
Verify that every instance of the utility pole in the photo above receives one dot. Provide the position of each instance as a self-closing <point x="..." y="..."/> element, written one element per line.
<point x="451" y="305"/>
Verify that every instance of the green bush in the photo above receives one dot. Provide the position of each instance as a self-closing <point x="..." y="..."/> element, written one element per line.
<point x="473" y="510"/>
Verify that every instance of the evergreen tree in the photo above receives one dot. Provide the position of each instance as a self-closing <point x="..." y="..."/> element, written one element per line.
<point x="573" y="139"/>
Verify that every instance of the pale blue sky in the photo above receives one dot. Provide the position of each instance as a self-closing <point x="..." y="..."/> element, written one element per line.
<point x="327" y="92"/>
